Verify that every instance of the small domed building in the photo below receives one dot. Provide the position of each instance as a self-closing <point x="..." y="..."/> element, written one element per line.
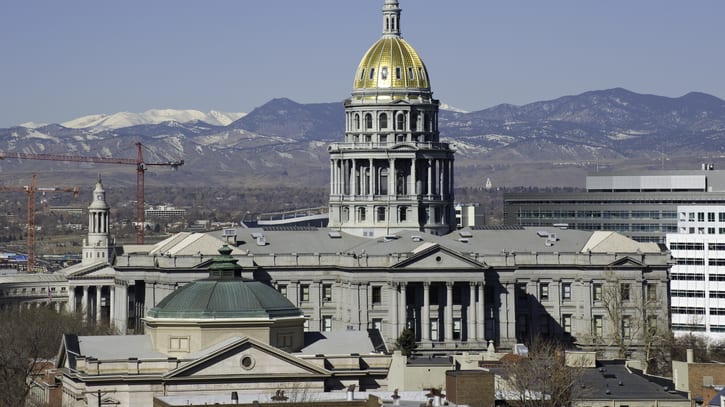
<point x="216" y="335"/>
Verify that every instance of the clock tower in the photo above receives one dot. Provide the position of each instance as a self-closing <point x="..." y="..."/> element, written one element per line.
<point x="97" y="247"/>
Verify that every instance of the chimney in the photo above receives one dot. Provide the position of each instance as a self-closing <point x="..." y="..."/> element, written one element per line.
<point x="690" y="356"/>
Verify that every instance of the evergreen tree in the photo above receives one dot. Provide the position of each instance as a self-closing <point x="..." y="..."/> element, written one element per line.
<point x="406" y="342"/>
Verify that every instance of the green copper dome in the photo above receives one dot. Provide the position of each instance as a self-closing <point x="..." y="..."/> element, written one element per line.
<point x="225" y="295"/>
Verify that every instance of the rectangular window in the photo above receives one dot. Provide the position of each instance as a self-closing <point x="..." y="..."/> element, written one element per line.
<point x="598" y="326"/>
<point x="434" y="329"/>
<point x="626" y="327"/>
<point x="597" y="291"/>
<point x="651" y="292"/>
<point x="544" y="291"/>
<point x="457" y="329"/>
<point x="327" y="292"/>
<point x="398" y="73"/>
<point x="306" y="325"/>
<point x="179" y="344"/>
<point x="625" y="291"/>
<point x="711" y="216"/>
<point x="721" y="217"/>
<point x="377" y="295"/>
<point x="326" y="323"/>
<point x="282" y="288"/>
<point x="381" y="214"/>
<point x="652" y="324"/>
<point x="701" y="216"/>
<point x="566" y="291"/>
<point x="304" y="292"/>
<point x="566" y="323"/>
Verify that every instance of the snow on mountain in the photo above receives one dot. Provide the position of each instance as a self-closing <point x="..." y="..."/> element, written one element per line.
<point x="446" y="106"/>
<point x="153" y="116"/>
<point x="32" y="125"/>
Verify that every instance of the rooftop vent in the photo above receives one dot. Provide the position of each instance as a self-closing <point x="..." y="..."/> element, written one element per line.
<point x="334" y="234"/>
<point x="257" y="235"/>
<point x="463" y="240"/>
<point x="465" y="233"/>
<point x="229" y="232"/>
<point x="542" y="233"/>
<point x="261" y="240"/>
<point x="417" y="238"/>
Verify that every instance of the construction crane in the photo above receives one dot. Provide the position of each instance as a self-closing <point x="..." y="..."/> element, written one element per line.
<point x="139" y="162"/>
<point x="31" y="190"/>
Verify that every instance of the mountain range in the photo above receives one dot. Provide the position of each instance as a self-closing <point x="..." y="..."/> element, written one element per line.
<point x="546" y="143"/>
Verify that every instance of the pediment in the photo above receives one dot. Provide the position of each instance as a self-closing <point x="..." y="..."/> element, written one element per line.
<point x="626" y="262"/>
<point x="433" y="256"/>
<point x="247" y="357"/>
<point x="100" y="269"/>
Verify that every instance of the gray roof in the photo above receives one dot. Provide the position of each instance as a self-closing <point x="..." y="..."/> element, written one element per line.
<point x="338" y="343"/>
<point x="622" y="384"/>
<point x="118" y="347"/>
<point x="492" y="242"/>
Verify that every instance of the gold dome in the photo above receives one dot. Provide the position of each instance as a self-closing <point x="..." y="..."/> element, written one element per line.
<point x="391" y="63"/>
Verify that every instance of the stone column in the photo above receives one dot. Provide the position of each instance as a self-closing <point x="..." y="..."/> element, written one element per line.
<point x="71" y="299"/>
<point x="99" y="290"/>
<point x="372" y="178"/>
<point x="430" y="178"/>
<point x="471" y="312"/>
<point x="481" y="314"/>
<point x="448" y="335"/>
<point x="121" y="313"/>
<point x="355" y="179"/>
<point x="332" y="177"/>
<point x="425" y="313"/>
<point x="392" y="181"/>
<point x="394" y="311"/>
<point x="111" y="303"/>
<point x="84" y="302"/>
<point x="402" y="308"/>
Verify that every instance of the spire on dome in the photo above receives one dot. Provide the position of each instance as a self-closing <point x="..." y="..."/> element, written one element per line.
<point x="391" y="18"/>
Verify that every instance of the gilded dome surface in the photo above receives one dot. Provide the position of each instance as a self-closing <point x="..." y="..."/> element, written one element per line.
<point x="391" y="63"/>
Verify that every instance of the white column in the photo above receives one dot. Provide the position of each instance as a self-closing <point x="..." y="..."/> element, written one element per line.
<point x="371" y="181"/>
<point x="98" y="302"/>
<point x="332" y="177"/>
<point x="449" y="312"/>
<point x="425" y="313"/>
<point x="471" y="312"/>
<point x="84" y="302"/>
<point x="71" y="299"/>
<point x="355" y="180"/>
<point x="481" y="314"/>
<point x="395" y="311"/>
<point x="392" y="181"/>
<point x="402" y="308"/>
<point x="111" y="304"/>
<point x="121" y="313"/>
<point x="430" y="178"/>
<point x="413" y="178"/>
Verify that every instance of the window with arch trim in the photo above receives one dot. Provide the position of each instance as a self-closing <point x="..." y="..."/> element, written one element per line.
<point x="383" y="120"/>
<point x="368" y="121"/>
<point x="357" y="121"/>
<point x="400" y="121"/>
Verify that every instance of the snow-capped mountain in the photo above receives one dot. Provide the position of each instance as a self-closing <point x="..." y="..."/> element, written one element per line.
<point x="154" y="116"/>
<point x="552" y="142"/>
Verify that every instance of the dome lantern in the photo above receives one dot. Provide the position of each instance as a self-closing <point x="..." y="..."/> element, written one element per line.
<point x="391" y="18"/>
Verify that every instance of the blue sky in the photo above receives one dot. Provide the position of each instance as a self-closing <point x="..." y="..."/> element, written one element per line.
<point x="63" y="59"/>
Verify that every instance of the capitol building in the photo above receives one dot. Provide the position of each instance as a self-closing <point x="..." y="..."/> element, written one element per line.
<point x="391" y="257"/>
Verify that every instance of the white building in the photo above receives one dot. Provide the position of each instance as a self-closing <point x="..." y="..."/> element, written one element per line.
<point x="470" y="215"/>
<point x="697" y="286"/>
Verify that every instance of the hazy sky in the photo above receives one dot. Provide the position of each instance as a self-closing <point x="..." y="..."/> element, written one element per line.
<point x="63" y="59"/>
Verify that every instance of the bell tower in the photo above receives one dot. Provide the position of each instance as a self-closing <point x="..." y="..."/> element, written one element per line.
<point x="391" y="173"/>
<point x="98" y="246"/>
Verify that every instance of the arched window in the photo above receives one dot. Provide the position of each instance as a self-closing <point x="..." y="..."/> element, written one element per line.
<point x="383" y="121"/>
<point x="387" y="24"/>
<point x="413" y="121"/>
<point x="357" y="121"/>
<point x="368" y="121"/>
<point x="400" y="122"/>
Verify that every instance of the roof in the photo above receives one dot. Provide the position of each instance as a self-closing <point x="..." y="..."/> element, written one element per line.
<point x="183" y="244"/>
<point x="616" y="382"/>
<point x="24" y="278"/>
<point x="338" y="343"/>
<point x="483" y="242"/>
<point x="109" y="347"/>
<point x="224" y="298"/>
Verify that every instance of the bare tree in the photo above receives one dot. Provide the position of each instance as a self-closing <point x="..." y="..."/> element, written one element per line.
<point x="543" y="378"/>
<point x="634" y="314"/>
<point x="28" y="338"/>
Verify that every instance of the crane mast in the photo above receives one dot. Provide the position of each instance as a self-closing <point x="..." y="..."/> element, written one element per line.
<point x="139" y="162"/>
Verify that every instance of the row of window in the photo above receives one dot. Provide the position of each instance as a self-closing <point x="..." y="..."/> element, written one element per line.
<point x="554" y="214"/>
<point x="702" y="230"/>
<point x="31" y="291"/>
<point x="696" y="277"/>
<point x="598" y="324"/>
<point x="398" y="73"/>
<point x="700" y="216"/>
<point x="697" y="311"/>
<point x="697" y="294"/>
<point x="622" y="292"/>
<point x="376" y="293"/>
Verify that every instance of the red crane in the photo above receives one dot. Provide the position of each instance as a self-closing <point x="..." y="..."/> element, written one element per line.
<point x="140" y="170"/>
<point x="31" y="190"/>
